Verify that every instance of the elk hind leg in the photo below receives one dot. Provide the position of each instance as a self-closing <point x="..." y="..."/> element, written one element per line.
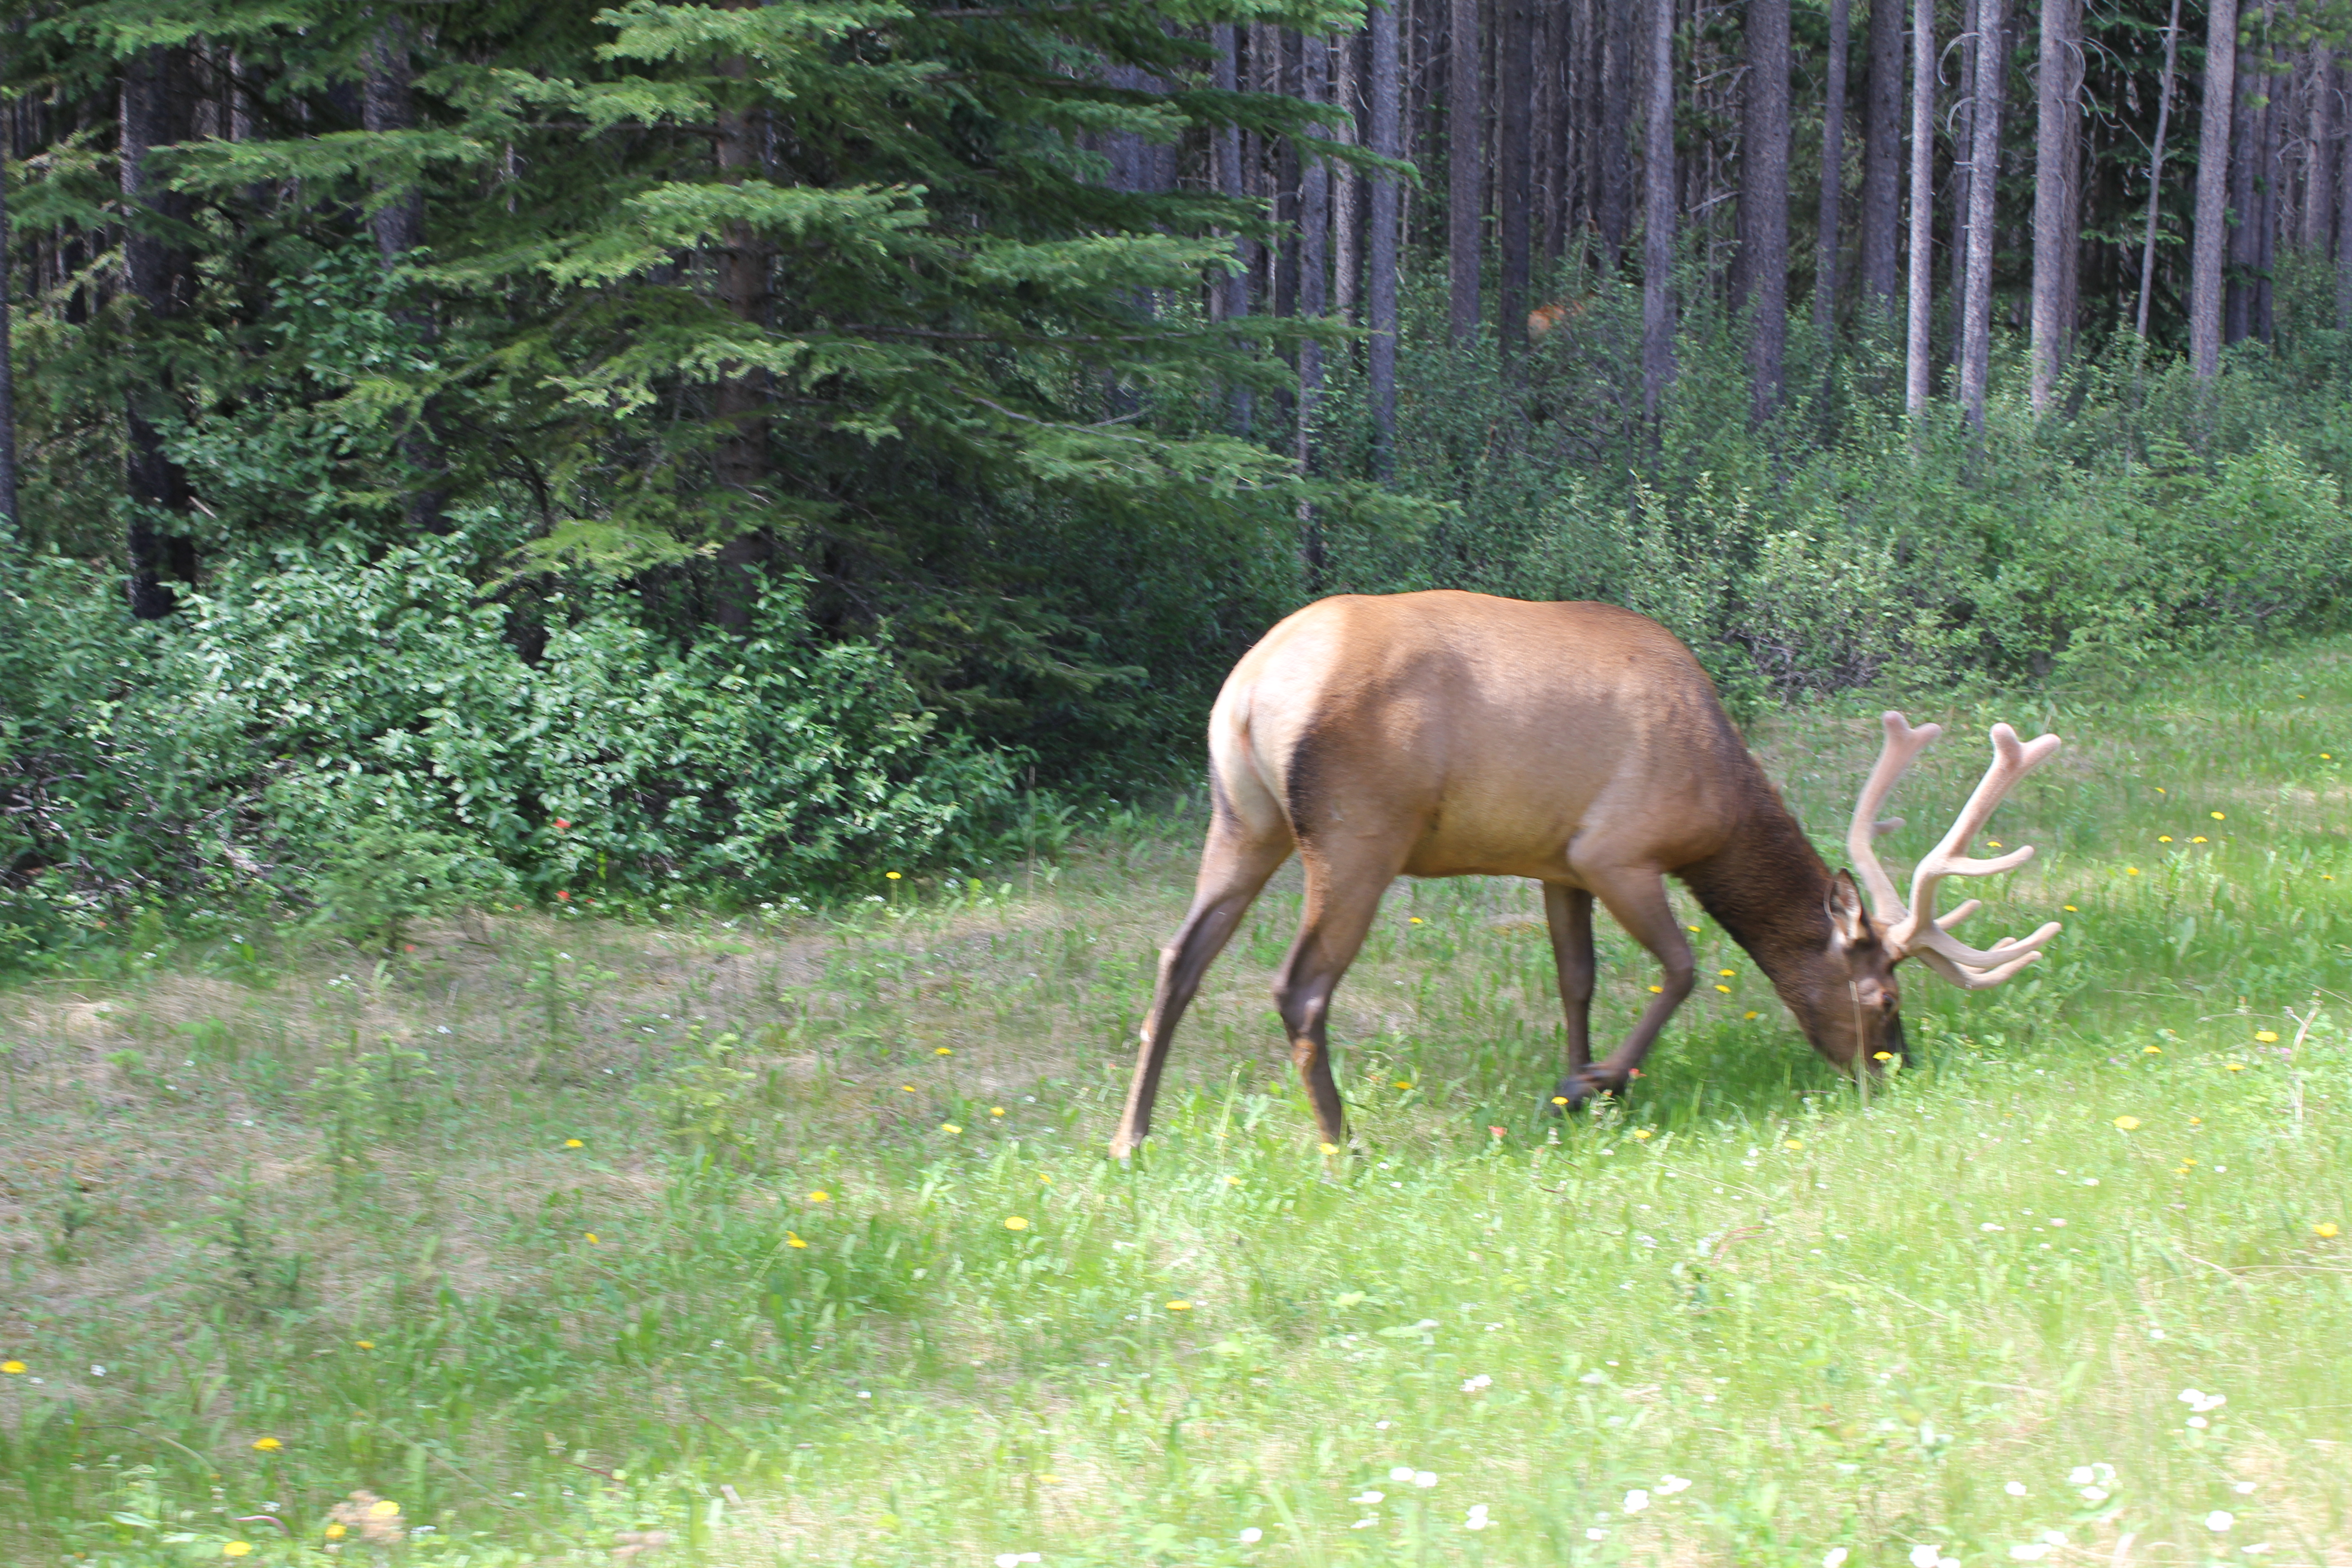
<point x="1342" y="896"/>
<point x="1568" y="912"/>
<point x="1235" y="864"/>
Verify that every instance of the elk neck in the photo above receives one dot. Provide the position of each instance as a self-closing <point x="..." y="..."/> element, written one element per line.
<point x="1767" y="885"/>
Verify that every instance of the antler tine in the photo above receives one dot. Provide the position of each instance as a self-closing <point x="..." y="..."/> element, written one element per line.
<point x="1903" y="743"/>
<point x="1920" y="932"/>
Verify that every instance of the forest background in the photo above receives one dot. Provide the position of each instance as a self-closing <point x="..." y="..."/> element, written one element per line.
<point x="557" y="451"/>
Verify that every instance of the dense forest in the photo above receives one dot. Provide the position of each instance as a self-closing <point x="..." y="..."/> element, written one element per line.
<point x="550" y="450"/>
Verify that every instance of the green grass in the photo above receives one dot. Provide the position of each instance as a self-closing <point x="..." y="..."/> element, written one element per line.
<point x="296" y="1196"/>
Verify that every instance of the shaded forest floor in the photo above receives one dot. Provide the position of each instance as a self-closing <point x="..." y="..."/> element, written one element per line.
<point x="739" y="1243"/>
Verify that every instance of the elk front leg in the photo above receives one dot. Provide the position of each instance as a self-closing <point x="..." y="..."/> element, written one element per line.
<point x="1234" y="867"/>
<point x="1637" y="898"/>
<point x="1568" y="911"/>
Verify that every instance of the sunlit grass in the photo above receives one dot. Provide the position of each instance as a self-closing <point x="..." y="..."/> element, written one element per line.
<point x="799" y="1245"/>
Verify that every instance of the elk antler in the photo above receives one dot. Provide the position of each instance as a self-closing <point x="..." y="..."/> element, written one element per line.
<point x="1917" y="931"/>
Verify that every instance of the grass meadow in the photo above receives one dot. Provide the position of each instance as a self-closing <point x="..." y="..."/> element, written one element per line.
<point x="790" y="1236"/>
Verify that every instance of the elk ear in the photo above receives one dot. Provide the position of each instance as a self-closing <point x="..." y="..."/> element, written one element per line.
<point x="1844" y="909"/>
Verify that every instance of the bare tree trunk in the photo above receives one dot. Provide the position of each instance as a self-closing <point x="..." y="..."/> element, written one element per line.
<point x="1230" y="295"/>
<point x="1964" y="140"/>
<point x="2246" y="143"/>
<point x="1975" y="296"/>
<point x="155" y="111"/>
<point x="1464" y="110"/>
<point x="1381" y="285"/>
<point x="2214" y="115"/>
<point x="2269" y="199"/>
<point x="1917" y="369"/>
<point x="1515" y="196"/>
<point x="2156" y="166"/>
<point x="1314" y="232"/>
<point x="1347" y="206"/>
<point x="2339" y="81"/>
<point x="1658" y="217"/>
<point x="743" y="281"/>
<point x="1762" y="275"/>
<point x="2055" y="217"/>
<point x="1825" y="247"/>
<point x="16" y="521"/>
<point x="1616" y="149"/>
<point x="2319" y="168"/>
<point x="1882" y="154"/>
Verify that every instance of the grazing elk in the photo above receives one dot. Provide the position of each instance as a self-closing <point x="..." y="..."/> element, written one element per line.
<point x="1581" y="746"/>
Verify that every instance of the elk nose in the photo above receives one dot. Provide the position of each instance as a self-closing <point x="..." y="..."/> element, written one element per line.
<point x="1894" y="1044"/>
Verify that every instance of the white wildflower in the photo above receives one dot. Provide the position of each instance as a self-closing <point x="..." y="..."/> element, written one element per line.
<point x="1669" y="1484"/>
<point x="1637" y="1501"/>
<point x="2219" y="1519"/>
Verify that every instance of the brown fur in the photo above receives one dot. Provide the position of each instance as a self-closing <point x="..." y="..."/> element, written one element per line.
<point x="1449" y="734"/>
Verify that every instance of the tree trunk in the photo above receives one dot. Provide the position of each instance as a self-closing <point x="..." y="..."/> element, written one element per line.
<point x="2268" y="203"/>
<point x="1230" y="295"/>
<point x="1916" y="368"/>
<point x="2319" y="166"/>
<point x="742" y="287"/>
<point x="1616" y="149"/>
<point x="2245" y="146"/>
<point x="2156" y="165"/>
<point x="154" y="108"/>
<point x="1964" y="140"/>
<point x="1515" y="193"/>
<point x="1463" y="165"/>
<point x="15" y="519"/>
<point x="1381" y="284"/>
<point x="2214" y="113"/>
<point x="1825" y="245"/>
<point x="2340" y="82"/>
<point x="1976" y="298"/>
<point x="1347" y="202"/>
<point x="2055" y="206"/>
<point x="1762" y="275"/>
<point x="1882" y="153"/>
<point x="1658" y="217"/>
<point x="1313" y="231"/>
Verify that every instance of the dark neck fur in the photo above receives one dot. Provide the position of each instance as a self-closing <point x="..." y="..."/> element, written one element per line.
<point x="1768" y="887"/>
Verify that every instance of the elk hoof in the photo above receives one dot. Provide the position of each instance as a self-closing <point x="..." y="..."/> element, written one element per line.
<point x="1580" y="1088"/>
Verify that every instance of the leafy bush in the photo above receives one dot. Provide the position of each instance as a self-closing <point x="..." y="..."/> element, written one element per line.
<point x="362" y="733"/>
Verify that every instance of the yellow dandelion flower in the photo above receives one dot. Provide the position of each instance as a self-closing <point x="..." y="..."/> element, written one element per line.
<point x="2324" y="1230"/>
<point x="1233" y="1180"/>
<point x="573" y="1143"/>
<point x="266" y="1444"/>
<point x="1882" y="1056"/>
<point x="2233" y="1067"/>
<point x="1330" y="1148"/>
<point x="942" y="1051"/>
<point x="336" y="1532"/>
<point x="2131" y="871"/>
<point x="2164" y="838"/>
<point x="890" y="875"/>
<point x="1751" y="1016"/>
<point x="2327" y="757"/>
<point x="591" y="1240"/>
<point x="996" y="1110"/>
<point x="793" y="1240"/>
<point x="1405" y="1083"/>
<point x="1690" y="927"/>
<point x="1414" y="920"/>
<point x="2070" y="909"/>
<point x="236" y="1548"/>
<point x="2151" y="1050"/>
<point x="1657" y="990"/>
<point x="1724" y="989"/>
<point x="2217" y="816"/>
<point x="1014" y="1222"/>
<point x="384" y="1507"/>
<point x="908" y="1087"/>
<point x="1180" y="1306"/>
<point x="2126" y="1122"/>
<point x="2198" y="839"/>
<point x="820" y="1196"/>
<point x="1793" y="1143"/>
<point x="1559" y="1100"/>
<point x="2267" y="1036"/>
<point x="365" y="1345"/>
<point x="12" y="1368"/>
<point x="1641" y="1135"/>
<point x="949" y="1127"/>
<point x="1724" y="972"/>
<point x="2160" y="792"/>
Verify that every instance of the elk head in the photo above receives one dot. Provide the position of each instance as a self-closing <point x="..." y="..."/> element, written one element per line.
<point x="1850" y="1009"/>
